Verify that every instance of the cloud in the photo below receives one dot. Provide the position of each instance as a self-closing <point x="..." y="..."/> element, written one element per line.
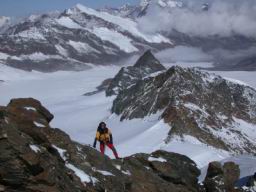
<point x="224" y="17"/>
<point x="183" y="54"/>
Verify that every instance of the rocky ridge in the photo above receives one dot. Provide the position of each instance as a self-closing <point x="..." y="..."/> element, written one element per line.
<point x="216" y="111"/>
<point x="36" y="157"/>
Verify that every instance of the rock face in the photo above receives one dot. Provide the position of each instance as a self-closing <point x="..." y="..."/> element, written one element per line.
<point x="35" y="157"/>
<point x="146" y="65"/>
<point x="195" y="103"/>
<point x="221" y="178"/>
<point x="29" y="161"/>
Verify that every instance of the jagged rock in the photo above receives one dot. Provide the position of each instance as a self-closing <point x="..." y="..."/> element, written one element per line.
<point x="164" y="171"/>
<point x="194" y="103"/>
<point x="28" y="162"/>
<point x="149" y="63"/>
<point x="35" y="159"/>
<point x="221" y="178"/>
<point x="30" y="105"/>
<point x="146" y="65"/>
<point x="232" y="173"/>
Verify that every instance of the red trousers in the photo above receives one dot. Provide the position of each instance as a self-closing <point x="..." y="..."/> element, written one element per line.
<point x="111" y="146"/>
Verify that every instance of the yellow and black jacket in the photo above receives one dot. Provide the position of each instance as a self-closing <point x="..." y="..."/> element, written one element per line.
<point x="103" y="136"/>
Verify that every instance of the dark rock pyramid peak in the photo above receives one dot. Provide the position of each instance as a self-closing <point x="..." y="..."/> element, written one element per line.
<point x="148" y="60"/>
<point x="146" y="65"/>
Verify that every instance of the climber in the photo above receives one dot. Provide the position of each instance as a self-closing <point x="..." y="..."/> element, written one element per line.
<point x="104" y="136"/>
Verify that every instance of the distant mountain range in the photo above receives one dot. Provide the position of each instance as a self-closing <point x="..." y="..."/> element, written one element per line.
<point x="81" y="37"/>
<point x="74" y="40"/>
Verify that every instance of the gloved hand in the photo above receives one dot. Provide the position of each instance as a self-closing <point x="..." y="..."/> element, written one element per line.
<point x="94" y="143"/>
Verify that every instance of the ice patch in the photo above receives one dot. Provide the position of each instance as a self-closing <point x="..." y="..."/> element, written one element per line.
<point x="61" y="50"/>
<point x="106" y="173"/>
<point x="69" y="23"/>
<point x="30" y="108"/>
<point x="123" y="42"/>
<point x="35" y="148"/>
<point x="126" y="172"/>
<point x="160" y="159"/>
<point x="39" y="124"/>
<point x="61" y="152"/>
<point x="81" y="174"/>
<point x="78" y="172"/>
<point x="118" y="167"/>
<point x="82" y="47"/>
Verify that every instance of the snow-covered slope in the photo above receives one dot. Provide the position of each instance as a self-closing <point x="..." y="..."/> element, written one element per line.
<point x="73" y="39"/>
<point x="138" y="135"/>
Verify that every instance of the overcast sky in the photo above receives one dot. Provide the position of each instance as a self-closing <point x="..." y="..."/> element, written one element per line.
<point x="27" y="7"/>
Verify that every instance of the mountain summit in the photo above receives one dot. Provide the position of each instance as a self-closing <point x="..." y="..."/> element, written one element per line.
<point x="149" y="62"/>
<point x="146" y="65"/>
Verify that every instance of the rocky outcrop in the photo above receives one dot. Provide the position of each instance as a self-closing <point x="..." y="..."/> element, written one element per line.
<point x="221" y="178"/>
<point x="146" y="65"/>
<point x="36" y="157"/>
<point x="29" y="161"/>
<point x="194" y="103"/>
